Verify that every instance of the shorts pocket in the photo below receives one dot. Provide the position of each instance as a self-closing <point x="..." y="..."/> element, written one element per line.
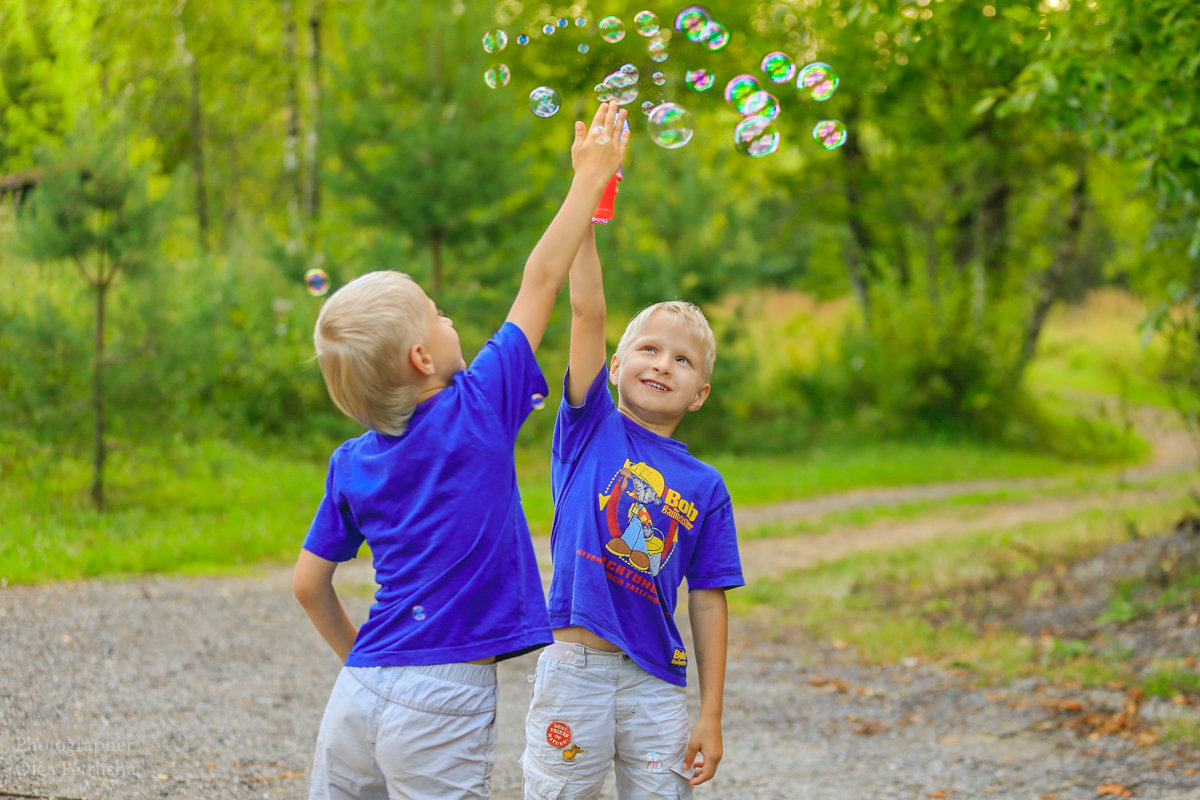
<point x="541" y="784"/>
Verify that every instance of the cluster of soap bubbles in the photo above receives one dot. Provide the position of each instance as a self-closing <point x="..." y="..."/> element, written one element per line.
<point x="670" y="124"/>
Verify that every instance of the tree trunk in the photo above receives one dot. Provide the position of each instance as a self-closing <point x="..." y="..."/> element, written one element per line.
<point x="859" y="251"/>
<point x="100" y="449"/>
<point x="435" y="255"/>
<point x="1065" y="257"/>
<point x="196" y="130"/>
<point x="312" y="194"/>
<point x="291" y="141"/>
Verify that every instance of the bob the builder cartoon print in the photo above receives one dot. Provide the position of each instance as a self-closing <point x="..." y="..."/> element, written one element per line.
<point x="634" y="538"/>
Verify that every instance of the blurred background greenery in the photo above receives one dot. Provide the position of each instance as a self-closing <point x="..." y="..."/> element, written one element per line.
<point x="1010" y="234"/>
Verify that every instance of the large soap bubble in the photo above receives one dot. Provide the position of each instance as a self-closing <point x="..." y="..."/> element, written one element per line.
<point x="818" y="80"/>
<point x="670" y="125"/>
<point x="755" y="137"/>
<point x="544" y="101"/>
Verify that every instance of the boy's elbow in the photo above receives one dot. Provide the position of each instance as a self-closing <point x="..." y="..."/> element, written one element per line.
<point x="308" y="587"/>
<point x="588" y="309"/>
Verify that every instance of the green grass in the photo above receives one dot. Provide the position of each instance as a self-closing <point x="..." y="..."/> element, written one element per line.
<point x="928" y="601"/>
<point x="1065" y="487"/>
<point x="188" y="508"/>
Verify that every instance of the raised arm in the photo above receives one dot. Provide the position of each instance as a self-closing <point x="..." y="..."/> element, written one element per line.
<point x="587" y="319"/>
<point x="595" y="155"/>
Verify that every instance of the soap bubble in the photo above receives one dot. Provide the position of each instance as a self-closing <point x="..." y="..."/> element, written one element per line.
<point x="658" y="51"/>
<point x="562" y="22"/>
<point x="691" y="21"/>
<point x="583" y="48"/>
<point x="701" y="80"/>
<point x="538" y="401"/>
<point x="755" y="136"/>
<point x="620" y="86"/>
<point x="739" y="88"/>
<point x="818" y="80"/>
<point x="581" y="22"/>
<point x="612" y="30"/>
<point x="646" y="23"/>
<point x="830" y="133"/>
<point x="418" y="613"/>
<point x="759" y="104"/>
<point x="648" y="106"/>
<point x="778" y="67"/>
<point x="495" y="40"/>
<point x="317" y="282"/>
<point x="544" y="102"/>
<point x="658" y="78"/>
<point x="523" y="39"/>
<point x="549" y="29"/>
<point x="715" y="35"/>
<point x="630" y="69"/>
<point x="497" y="76"/>
<point x="670" y="125"/>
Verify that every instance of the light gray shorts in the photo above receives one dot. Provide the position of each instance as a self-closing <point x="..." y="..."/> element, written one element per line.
<point x="593" y="710"/>
<point x="408" y="733"/>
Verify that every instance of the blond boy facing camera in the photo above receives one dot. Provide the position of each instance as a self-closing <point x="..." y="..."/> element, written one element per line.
<point x="635" y="515"/>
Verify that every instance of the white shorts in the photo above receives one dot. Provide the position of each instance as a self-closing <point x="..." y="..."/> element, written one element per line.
<point x="593" y="710"/>
<point x="408" y="733"/>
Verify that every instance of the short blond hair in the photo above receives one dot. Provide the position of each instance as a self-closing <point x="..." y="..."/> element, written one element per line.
<point x="362" y="337"/>
<point x="685" y="315"/>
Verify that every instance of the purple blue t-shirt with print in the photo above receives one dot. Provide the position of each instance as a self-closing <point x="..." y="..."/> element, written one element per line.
<point x="635" y="515"/>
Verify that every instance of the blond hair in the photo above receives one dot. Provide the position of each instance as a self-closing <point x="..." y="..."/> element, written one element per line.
<point x="684" y="315"/>
<point x="362" y="337"/>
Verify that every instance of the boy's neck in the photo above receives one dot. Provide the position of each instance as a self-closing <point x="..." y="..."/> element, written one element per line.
<point x="430" y="387"/>
<point x="665" y="429"/>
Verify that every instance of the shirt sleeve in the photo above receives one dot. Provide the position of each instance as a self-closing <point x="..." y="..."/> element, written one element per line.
<point x="715" y="561"/>
<point x="333" y="535"/>
<point x="506" y="375"/>
<point x="575" y="425"/>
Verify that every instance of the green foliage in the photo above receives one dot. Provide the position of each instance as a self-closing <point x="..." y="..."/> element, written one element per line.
<point x="45" y="75"/>
<point x="94" y="207"/>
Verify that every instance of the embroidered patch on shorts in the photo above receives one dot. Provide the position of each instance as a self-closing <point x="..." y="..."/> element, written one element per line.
<point x="558" y="734"/>
<point x="654" y="762"/>
<point x="573" y="754"/>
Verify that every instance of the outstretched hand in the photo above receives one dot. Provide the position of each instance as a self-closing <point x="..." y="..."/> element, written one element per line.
<point x="599" y="150"/>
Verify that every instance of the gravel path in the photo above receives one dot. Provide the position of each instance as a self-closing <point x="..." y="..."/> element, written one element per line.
<point x="213" y="688"/>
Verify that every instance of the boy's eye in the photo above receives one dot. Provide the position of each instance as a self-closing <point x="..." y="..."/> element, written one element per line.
<point x="683" y="360"/>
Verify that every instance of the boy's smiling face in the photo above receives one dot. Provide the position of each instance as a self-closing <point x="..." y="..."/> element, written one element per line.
<point x="660" y="375"/>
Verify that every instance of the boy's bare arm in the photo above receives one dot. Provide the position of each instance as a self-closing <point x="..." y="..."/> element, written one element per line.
<point x="312" y="583"/>
<point x="587" y="319"/>
<point x="595" y="155"/>
<point x="709" y="614"/>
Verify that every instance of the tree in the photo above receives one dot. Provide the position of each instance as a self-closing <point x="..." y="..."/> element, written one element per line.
<point x="94" y="212"/>
<point x="415" y="132"/>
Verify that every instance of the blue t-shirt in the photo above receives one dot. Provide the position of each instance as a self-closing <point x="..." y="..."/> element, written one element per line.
<point x="635" y="514"/>
<point x="439" y="508"/>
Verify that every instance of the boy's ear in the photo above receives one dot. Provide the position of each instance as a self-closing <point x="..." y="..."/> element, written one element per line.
<point x="699" y="398"/>
<point x="421" y="361"/>
<point x="614" y="369"/>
